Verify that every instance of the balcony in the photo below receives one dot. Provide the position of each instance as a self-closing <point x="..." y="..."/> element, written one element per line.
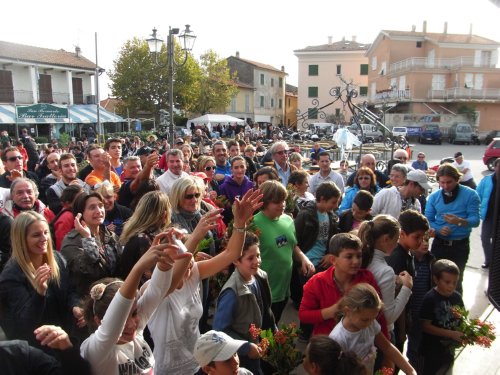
<point x="392" y="96"/>
<point x="461" y="93"/>
<point x="423" y="63"/>
<point x="22" y="97"/>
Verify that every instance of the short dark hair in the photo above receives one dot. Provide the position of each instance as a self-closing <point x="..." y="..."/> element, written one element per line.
<point x="107" y="144"/>
<point x="324" y="153"/>
<point x="81" y="200"/>
<point x="444" y="266"/>
<point x="298" y="177"/>
<point x="342" y="241"/>
<point x="8" y="149"/>
<point x="363" y="199"/>
<point x="412" y="221"/>
<point x="250" y="240"/>
<point x="69" y="193"/>
<point x="327" y="190"/>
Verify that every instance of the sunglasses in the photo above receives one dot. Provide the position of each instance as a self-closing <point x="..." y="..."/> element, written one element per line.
<point x="364" y="178"/>
<point x="191" y="196"/>
<point x="209" y="168"/>
<point x="14" y="158"/>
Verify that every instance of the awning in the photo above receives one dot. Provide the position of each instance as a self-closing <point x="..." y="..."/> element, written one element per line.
<point x="262" y="118"/>
<point x="78" y="114"/>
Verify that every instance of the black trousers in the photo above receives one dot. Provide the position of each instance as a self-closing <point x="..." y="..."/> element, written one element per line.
<point x="457" y="251"/>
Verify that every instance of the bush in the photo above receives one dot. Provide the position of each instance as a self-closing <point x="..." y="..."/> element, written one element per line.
<point x="40" y="140"/>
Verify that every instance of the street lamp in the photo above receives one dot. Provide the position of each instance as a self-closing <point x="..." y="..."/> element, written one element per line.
<point x="187" y="41"/>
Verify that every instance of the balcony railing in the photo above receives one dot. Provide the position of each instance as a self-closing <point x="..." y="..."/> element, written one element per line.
<point x="393" y="95"/>
<point x="455" y="93"/>
<point x="419" y="63"/>
<point x="21" y="97"/>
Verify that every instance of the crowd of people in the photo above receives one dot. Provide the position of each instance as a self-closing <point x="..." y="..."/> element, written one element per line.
<point x="93" y="278"/>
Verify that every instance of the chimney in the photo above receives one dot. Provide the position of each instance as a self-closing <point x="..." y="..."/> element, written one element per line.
<point x="282" y="68"/>
<point x="343" y="38"/>
<point x="445" y="28"/>
<point x="78" y="51"/>
<point x="413" y="28"/>
<point x="470" y="31"/>
<point x="424" y="28"/>
<point x="354" y="38"/>
<point x="330" y="39"/>
<point x="237" y="54"/>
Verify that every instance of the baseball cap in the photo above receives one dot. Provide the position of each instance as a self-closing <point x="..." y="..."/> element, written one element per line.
<point x="179" y="141"/>
<point x="419" y="177"/>
<point x="144" y="150"/>
<point x="457" y="154"/>
<point x="215" y="346"/>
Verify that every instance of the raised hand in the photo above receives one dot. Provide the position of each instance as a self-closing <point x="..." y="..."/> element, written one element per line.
<point x="54" y="337"/>
<point x="163" y="254"/>
<point x="42" y="276"/>
<point x="14" y="173"/>
<point x="81" y="227"/>
<point x="244" y="208"/>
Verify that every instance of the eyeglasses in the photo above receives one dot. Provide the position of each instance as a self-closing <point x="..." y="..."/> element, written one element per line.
<point x="14" y="158"/>
<point x="208" y="168"/>
<point x="191" y="196"/>
<point x="364" y="178"/>
<point x="282" y="152"/>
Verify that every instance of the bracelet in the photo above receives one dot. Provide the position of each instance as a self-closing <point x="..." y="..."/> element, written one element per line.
<point x="240" y="230"/>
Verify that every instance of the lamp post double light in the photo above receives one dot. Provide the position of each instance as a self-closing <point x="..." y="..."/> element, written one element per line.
<point x="187" y="39"/>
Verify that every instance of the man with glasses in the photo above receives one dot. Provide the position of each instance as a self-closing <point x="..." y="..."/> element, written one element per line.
<point x="279" y="153"/>
<point x="13" y="161"/>
<point x="420" y="163"/>
<point x="369" y="161"/>
<point x="223" y="168"/>
<point x="175" y="170"/>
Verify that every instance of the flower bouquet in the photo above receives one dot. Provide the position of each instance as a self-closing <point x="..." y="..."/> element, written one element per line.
<point x="475" y="332"/>
<point x="384" y="371"/>
<point x="278" y="347"/>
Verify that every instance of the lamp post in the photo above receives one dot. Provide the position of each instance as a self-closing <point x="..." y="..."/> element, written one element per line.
<point x="187" y="41"/>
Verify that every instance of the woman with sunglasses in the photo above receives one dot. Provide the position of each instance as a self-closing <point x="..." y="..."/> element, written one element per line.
<point x="206" y="164"/>
<point x="365" y="179"/>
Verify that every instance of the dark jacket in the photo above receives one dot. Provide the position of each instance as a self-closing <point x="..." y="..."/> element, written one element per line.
<point x="346" y="220"/>
<point x="307" y="226"/>
<point x="382" y="179"/>
<point x="5" y="182"/>
<point x="5" y="248"/>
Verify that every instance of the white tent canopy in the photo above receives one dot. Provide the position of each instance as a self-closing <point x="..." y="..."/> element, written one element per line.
<point x="210" y="118"/>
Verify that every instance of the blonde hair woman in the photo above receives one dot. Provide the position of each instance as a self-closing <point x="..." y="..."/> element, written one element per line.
<point x="34" y="286"/>
<point x="151" y="217"/>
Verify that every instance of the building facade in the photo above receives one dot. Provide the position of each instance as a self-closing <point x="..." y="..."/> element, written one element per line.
<point x="420" y="76"/>
<point x="291" y="106"/>
<point x="323" y="68"/>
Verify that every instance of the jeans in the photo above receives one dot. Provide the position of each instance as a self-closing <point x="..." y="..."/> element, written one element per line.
<point x="458" y="252"/>
<point x="487" y="239"/>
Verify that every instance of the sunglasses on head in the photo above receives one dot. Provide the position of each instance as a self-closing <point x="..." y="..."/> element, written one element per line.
<point x="14" y="158"/>
<point x="208" y="168"/>
<point x="191" y="196"/>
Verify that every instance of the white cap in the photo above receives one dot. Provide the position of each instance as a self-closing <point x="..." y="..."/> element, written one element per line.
<point x="419" y="177"/>
<point x="215" y="346"/>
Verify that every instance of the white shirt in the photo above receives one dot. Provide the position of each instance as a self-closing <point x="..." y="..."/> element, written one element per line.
<point x="465" y="165"/>
<point x="388" y="201"/>
<point x="317" y="179"/>
<point x="167" y="179"/>
<point x="4" y="196"/>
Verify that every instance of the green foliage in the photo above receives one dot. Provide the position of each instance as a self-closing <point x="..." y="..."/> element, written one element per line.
<point x="40" y="140"/>
<point x="64" y="140"/>
<point x="469" y="111"/>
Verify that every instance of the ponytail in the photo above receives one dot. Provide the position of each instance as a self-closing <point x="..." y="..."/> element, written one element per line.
<point x="370" y="231"/>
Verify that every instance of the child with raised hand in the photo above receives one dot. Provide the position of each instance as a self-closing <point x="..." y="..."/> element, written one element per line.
<point x="324" y="356"/>
<point x="118" y="346"/>
<point x="379" y="237"/>
<point x="438" y="321"/>
<point x="245" y="299"/>
<point x="358" y="331"/>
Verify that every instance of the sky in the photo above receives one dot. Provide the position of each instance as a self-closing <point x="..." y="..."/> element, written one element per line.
<point x="264" y="31"/>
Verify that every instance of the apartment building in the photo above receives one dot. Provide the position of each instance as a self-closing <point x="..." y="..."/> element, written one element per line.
<point x="48" y="91"/>
<point x="321" y="69"/>
<point x="421" y="76"/>
<point x="291" y="105"/>
<point x="268" y="85"/>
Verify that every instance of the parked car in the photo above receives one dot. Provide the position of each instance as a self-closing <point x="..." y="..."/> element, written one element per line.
<point x="489" y="137"/>
<point x="400" y="131"/>
<point x="369" y="132"/>
<point x="430" y="133"/>
<point x="460" y="132"/>
<point x="492" y="153"/>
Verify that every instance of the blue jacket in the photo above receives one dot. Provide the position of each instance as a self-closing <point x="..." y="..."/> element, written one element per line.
<point x="484" y="190"/>
<point x="349" y="195"/>
<point x="466" y="206"/>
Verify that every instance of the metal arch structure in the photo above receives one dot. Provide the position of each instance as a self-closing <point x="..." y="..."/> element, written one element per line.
<point x="344" y="95"/>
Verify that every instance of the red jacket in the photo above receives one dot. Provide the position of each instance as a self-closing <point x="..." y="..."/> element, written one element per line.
<point x="321" y="292"/>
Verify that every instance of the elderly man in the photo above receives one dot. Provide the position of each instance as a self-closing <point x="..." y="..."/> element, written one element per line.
<point x="392" y="201"/>
<point x="134" y="175"/>
<point x="279" y="153"/>
<point x="24" y="197"/>
<point x="68" y="169"/>
<point x="368" y="160"/>
<point x="13" y="160"/>
<point x="52" y="177"/>
<point x="325" y="174"/>
<point x="175" y="170"/>
<point x="222" y="166"/>
<point x="103" y="171"/>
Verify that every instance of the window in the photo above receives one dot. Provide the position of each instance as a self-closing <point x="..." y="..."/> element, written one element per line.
<point x="374" y="63"/>
<point x="247" y="103"/>
<point x="313" y="70"/>
<point x="289" y="102"/>
<point x="280" y="103"/>
<point x="339" y="69"/>
<point x="383" y="68"/>
<point x="45" y="88"/>
<point x="478" y="81"/>
<point x="272" y="82"/>
<point x="233" y="105"/>
<point x="6" y="87"/>
<point x="363" y="69"/>
<point x="280" y="82"/>
<point x="312" y="92"/>
<point x="272" y="103"/>
<point x="337" y="112"/>
<point x="469" y="81"/>
<point x="419" y="44"/>
<point x="438" y="81"/>
<point x="312" y="113"/>
<point x="363" y="90"/>
<point x="77" y="90"/>
<point x="261" y="101"/>
<point x="262" y="79"/>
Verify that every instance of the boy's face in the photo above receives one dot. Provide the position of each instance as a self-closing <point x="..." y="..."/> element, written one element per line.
<point x="411" y="241"/>
<point x="249" y="263"/>
<point x="348" y="261"/>
<point x="228" y="367"/>
<point x="422" y="249"/>
<point x="358" y="214"/>
<point x="328" y="205"/>
<point x="446" y="284"/>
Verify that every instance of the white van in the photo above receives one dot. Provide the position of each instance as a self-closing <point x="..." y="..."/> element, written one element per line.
<point x="322" y="128"/>
<point x="369" y="131"/>
<point x="400" y="131"/>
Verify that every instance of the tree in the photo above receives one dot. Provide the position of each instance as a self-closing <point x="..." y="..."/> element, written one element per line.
<point x="217" y="84"/>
